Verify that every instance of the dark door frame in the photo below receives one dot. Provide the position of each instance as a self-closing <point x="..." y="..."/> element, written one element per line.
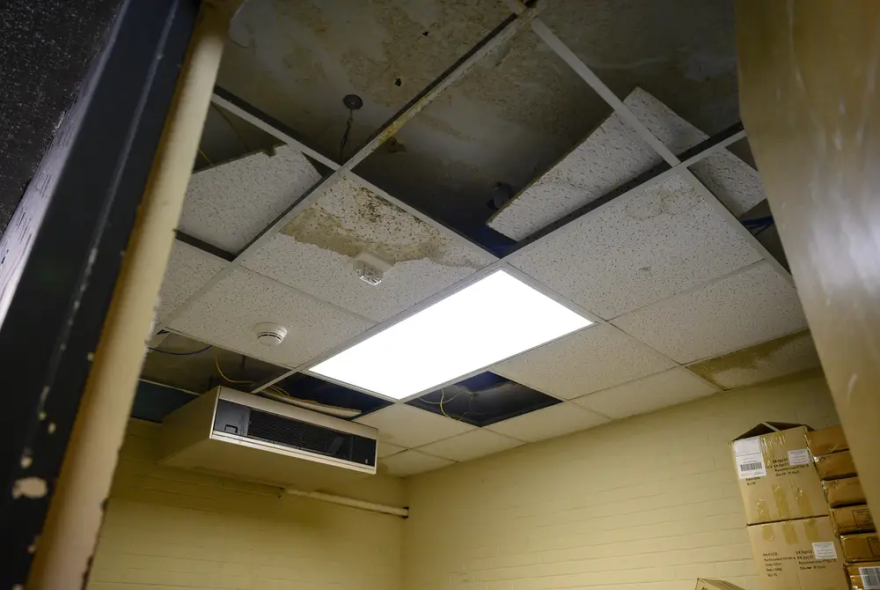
<point x="62" y="252"/>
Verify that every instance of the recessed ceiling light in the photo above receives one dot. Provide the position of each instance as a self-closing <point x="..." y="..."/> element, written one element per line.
<point x="491" y="320"/>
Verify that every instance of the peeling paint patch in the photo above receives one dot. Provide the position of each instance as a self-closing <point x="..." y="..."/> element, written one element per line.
<point x="30" y="487"/>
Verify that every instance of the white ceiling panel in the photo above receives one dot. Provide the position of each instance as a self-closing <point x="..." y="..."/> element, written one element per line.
<point x="612" y="155"/>
<point x="470" y="445"/>
<point x="227" y="314"/>
<point x="648" y="394"/>
<point x="551" y="422"/>
<point x="229" y="204"/>
<point x="188" y="270"/>
<point x="410" y="427"/>
<point x="637" y="249"/>
<point x="316" y="251"/>
<point x="411" y="463"/>
<point x="746" y="308"/>
<point x="735" y="183"/>
<point x="592" y="359"/>
<point x="756" y="364"/>
<point x="387" y="449"/>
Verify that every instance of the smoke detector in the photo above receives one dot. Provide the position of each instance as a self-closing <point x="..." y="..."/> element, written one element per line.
<point x="370" y="268"/>
<point x="269" y="333"/>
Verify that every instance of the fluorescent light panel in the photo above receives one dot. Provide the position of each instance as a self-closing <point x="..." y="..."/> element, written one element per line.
<point x="493" y="319"/>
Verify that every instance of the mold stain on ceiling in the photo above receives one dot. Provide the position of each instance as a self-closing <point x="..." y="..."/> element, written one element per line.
<point x="351" y="219"/>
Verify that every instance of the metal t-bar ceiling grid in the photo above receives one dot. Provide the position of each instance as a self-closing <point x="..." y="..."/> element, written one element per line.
<point x="506" y="30"/>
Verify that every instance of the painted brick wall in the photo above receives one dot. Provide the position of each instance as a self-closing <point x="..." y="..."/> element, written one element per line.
<point x="649" y="503"/>
<point x="172" y="529"/>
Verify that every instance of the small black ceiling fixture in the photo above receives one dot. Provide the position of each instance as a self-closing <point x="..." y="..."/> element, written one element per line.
<point x="352" y="102"/>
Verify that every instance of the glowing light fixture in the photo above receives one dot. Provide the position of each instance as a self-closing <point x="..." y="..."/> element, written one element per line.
<point x="493" y="319"/>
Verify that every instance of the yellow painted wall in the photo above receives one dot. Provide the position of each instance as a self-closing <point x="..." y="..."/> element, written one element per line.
<point x="171" y="529"/>
<point x="649" y="503"/>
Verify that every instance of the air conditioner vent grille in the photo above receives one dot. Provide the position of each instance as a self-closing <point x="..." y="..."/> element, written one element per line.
<point x="293" y="433"/>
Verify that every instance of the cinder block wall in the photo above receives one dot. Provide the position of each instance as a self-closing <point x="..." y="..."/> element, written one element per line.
<point x="171" y="529"/>
<point x="649" y="503"/>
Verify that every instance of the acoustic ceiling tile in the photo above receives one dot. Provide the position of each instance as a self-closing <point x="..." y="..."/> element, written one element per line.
<point x="596" y="358"/>
<point x="387" y="449"/>
<point x="315" y="253"/>
<point x="638" y="249"/>
<point x="229" y="204"/>
<point x="471" y="445"/>
<point x="735" y="183"/>
<point x="645" y="395"/>
<point x="550" y="422"/>
<point x="188" y="270"/>
<point x="409" y="427"/>
<point x="412" y="462"/>
<point x="743" y="309"/>
<point x="759" y="363"/>
<point x="612" y="155"/>
<point x="226" y="316"/>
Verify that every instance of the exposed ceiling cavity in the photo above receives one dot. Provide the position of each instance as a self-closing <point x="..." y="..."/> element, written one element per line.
<point x="518" y="112"/>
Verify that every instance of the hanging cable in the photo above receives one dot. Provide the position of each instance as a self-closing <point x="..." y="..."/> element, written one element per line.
<point x="179" y="353"/>
<point x="208" y="160"/>
<point x="219" y="370"/>
<point x="344" y="141"/>
<point x="232" y="125"/>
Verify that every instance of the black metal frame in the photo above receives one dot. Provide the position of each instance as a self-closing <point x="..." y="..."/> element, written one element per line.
<point x="64" y="248"/>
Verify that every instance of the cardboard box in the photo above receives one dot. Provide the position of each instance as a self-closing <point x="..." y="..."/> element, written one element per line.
<point x="835" y="466"/>
<point x="798" y="554"/>
<point x="844" y="492"/>
<point x="777" y="479"/>
<point x="715" y="585"/>
<point x="861" y="547"/>
<point x="827" y="441"/>
<point x="864" y="576"/>
<point x="852" y="519"/>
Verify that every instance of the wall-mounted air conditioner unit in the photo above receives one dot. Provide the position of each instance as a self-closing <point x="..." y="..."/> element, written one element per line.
<point x="227" y="432"/>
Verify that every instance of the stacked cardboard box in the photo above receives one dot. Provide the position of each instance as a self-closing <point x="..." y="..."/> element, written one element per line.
<point x="849" y="514"/>
<point x="793" y="540"/>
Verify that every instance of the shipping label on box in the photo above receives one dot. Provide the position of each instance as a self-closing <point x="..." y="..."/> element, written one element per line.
<point x="827" y="441"/>
<point x="852" y="519"/>
<point x="835" y="466"/>
<point x="864" y="576"/>
<point x="844" y="492"/>
<point x="861" y="547"/>
<point x="777" y="478"/>
<point x="798" y="554"/>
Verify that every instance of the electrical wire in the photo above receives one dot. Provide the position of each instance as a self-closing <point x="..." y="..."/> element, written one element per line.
<point x="219" y="370"/>
<point x="442" y="397"/>
<point x="232" y="125"/>
<point x="344" y="141"/>
<point x="179" y="353"/>
<point x="207" y="159"/>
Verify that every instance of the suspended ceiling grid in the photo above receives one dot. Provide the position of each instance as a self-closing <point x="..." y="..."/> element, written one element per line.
<point x="704" y="278"/>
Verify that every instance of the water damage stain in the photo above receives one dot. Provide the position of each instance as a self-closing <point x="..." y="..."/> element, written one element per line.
<point x="728" y="371"/>
<point x="350" y="219"/>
